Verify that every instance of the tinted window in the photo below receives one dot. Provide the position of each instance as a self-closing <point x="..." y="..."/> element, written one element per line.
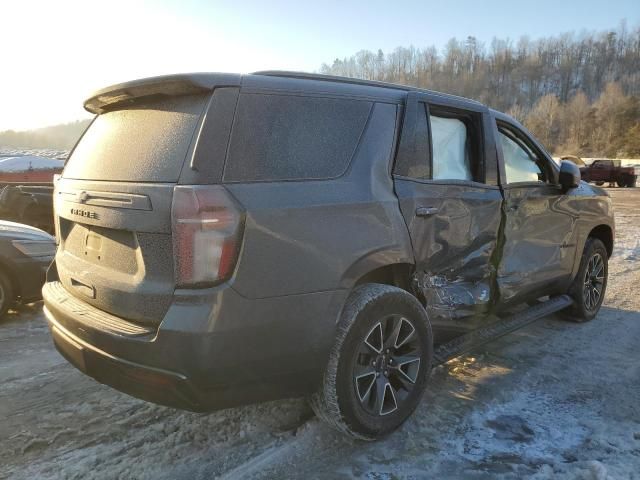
<point x="451" y="156"/>
<point x="147" y="142"/>
<point x="282" y="137"/>
<point x="520" y="162"/>
<point x="455" y="147"/>
<point x="415" y="162"/>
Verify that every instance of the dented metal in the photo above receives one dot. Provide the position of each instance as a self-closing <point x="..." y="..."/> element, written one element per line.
<point x="455" y="247"/>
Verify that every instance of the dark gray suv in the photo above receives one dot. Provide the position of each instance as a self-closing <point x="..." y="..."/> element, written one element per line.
<point x="226" y="239"/>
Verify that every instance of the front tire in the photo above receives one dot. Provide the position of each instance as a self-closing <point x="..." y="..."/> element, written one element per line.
<point x="379" y="365"/>
<point x="590" y="285"/>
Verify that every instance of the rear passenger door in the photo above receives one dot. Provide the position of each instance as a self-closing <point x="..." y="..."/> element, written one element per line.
<point x="445" y="177"/>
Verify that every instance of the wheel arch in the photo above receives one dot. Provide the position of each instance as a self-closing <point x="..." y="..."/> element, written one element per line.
<point x="395" y="274"/>
<point x="604" y="233"/>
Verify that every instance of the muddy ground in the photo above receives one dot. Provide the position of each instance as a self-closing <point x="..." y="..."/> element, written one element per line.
<point x="554" y="400"/>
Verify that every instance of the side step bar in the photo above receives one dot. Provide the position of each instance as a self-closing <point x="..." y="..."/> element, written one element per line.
<point x="471" y="340"/>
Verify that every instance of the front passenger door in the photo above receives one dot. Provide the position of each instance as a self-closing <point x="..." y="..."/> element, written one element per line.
<point x="538" y="251"/>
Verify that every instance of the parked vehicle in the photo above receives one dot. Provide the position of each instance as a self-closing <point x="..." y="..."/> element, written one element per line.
<point x="601" y="171"/>
<point x="28" y="168"/>
<point x="227" y="239"/>
<point x="25" y="255"/>
<point x="30" y="204"/>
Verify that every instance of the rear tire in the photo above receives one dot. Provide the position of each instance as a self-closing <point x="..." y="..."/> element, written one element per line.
<point x="379" y="365"/>
<point x="590" y="285"/>
<point x="7" y="297"/>
<point x="599" y="184"/>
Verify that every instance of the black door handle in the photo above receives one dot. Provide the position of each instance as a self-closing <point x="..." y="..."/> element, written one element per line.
<point x="426" y="211"/>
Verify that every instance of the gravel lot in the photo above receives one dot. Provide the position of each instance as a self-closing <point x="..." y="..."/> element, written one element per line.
<point x="554" y="400"/>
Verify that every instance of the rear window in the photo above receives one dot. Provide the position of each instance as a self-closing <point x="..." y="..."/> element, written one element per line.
<point x="286" y="137"/>
<point x="146" y="142"/>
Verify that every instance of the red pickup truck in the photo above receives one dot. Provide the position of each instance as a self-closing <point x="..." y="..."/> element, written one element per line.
<point x="601" y="171"/>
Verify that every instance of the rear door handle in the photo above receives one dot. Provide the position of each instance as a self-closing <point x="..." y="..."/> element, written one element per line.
<point x="426" y="211"/>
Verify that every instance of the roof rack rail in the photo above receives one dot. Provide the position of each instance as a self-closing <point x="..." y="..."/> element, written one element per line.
<point x="330" y="78"/>
<point x="356" y="81"/>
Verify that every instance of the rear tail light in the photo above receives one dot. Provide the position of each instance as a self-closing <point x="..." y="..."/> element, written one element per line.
<point x="207" y="232"/>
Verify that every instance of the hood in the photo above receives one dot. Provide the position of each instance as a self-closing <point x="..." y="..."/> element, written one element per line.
<point x="14" y="230"/>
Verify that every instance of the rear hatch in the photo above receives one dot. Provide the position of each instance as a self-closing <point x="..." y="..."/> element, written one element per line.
<point x="113" y="204"/>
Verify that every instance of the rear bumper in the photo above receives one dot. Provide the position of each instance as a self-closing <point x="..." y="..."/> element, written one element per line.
<point x="211" y="351"/>
<point x="151" y="384"/>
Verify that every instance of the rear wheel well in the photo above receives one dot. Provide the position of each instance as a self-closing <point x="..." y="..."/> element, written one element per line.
<point x="397" y="275"/>
<point x="605" y="235"/>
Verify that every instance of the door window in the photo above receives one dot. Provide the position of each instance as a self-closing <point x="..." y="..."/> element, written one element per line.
<point x="451" y="156"/>
<point x="455" y="151"/>
<point x="520" y="162"/>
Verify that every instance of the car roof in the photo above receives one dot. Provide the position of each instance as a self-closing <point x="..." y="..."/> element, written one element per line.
<point x="271" y="80"/>
<point x="372" y="86"/>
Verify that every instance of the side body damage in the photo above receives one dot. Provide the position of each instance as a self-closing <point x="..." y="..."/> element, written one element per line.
<point x="484" y="244"/>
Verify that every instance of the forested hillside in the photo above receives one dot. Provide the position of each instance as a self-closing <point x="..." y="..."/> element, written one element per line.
<point x="579" y="93"/>
<point x="60" y="137"/>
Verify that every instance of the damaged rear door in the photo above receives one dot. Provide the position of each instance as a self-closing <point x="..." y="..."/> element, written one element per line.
<point x="445" y="177"/>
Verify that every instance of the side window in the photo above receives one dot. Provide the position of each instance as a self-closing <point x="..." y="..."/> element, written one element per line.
<point x="451" y="149"/>
<point x="290" y="137"/>
<point x="455" y="149"/>
<point x="414" y="162"/>
<point x="521" y="164"/>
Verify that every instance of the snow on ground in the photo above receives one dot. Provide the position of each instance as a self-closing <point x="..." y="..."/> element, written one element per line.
<point x="554" y="400"/>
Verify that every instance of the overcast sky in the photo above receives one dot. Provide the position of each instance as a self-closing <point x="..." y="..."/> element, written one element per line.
<point x="53" y="53"/>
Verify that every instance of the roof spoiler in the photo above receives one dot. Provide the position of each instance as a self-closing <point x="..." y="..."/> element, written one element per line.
<point x="168" y="85"/>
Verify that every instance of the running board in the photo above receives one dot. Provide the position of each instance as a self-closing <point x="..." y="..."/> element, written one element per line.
<point x="471" y="340"/>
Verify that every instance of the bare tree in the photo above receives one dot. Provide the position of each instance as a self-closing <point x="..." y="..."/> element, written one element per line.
<point x="562" y="87"/>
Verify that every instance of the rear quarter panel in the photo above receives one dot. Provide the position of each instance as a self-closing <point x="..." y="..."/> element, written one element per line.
<point x="311" y="236"/>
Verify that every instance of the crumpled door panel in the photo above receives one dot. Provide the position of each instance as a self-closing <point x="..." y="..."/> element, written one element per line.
<point x="455" y="247"/>
<point x="539" y="244"/>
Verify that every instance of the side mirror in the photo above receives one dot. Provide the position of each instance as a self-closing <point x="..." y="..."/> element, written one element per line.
<point x="569" y="175"/>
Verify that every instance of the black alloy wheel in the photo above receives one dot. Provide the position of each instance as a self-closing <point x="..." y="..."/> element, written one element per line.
<point x="379" y="365"/>
<point x="387" y="365"/>
<point x="593" y="282"/>
<point x="590" y="283"/>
